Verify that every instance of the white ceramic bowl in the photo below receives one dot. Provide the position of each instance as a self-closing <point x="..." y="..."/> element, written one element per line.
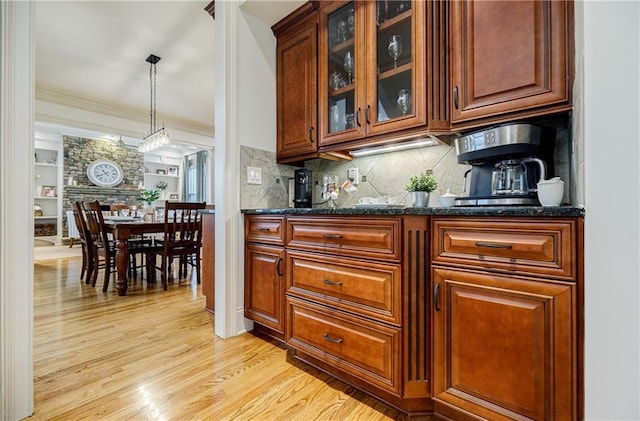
<point x="550" y="194"/>
<point x="447" y="200"/>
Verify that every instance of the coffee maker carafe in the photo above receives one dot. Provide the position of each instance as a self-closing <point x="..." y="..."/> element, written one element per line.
<point x="517" y="176"/>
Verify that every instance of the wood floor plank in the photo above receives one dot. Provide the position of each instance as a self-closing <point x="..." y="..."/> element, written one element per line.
<point x="153" y="355"/>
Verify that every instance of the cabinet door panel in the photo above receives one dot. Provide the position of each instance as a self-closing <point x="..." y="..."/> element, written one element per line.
<point x="264" y="285"/>
<point x="297" y="94"/>
<point x="508" y="56"/>
<point x="504" y="346"/>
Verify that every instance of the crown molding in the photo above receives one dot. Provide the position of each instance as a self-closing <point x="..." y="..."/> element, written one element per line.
<point x="73" y="100"/>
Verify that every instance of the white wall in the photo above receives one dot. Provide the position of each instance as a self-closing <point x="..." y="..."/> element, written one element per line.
<point x="612" y="253"/>
<point x="257" y="89"/>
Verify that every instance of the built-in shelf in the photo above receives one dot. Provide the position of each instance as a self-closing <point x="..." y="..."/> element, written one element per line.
<point x="47" y="172"/>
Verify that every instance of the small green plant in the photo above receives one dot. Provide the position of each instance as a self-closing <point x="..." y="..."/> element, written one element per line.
<point x="149" y="196"/>
<point x="162" y="185"/>
<point x="422" y="182"/>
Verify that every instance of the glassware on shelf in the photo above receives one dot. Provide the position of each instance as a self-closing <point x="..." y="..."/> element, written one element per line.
<point x="351" y="22"/>
<point x="395" y="48"/>
<point x="349" y="122"/>
<point x="336" y="81"/>
<point x="334" y="118"/>
<point x="404" y="100"/>
<point x="341" y="31"/>
<point x="348" y="65"/>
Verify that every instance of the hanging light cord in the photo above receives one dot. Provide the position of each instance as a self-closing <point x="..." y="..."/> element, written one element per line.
<point x="152" y="97"/>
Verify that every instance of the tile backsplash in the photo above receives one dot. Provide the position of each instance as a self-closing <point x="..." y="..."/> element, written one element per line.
<point x="381" y="175"/>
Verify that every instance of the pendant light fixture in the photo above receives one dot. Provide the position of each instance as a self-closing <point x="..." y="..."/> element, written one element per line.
<point x="156" y="137"/>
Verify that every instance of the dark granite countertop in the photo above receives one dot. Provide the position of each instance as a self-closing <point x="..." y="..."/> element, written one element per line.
<point x="541" y="211"/>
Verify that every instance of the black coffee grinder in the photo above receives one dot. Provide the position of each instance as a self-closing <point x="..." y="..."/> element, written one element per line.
<point x="507" y="161"/>
<point x="302" y="187"/>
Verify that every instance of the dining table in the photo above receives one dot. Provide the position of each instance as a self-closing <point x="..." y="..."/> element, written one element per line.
<point x="122" y="230"/>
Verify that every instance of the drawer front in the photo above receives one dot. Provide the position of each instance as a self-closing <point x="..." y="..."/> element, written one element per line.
<point x="540" y="246"/>
<point x="357" y="346"/>
<point x="367" y="288"/>
<point x="371" y="238"/>
<point x="264" y="229"/>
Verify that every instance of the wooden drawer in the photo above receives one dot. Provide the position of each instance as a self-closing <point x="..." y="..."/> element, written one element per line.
<point x="370" y="238"/>
<point x="540" y="246"/>
<point x="264" y="229"/>
<point x="359" y="347"/>
<point x="368" y="288"/>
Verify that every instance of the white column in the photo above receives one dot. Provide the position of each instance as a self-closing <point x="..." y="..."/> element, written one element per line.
<point x="229" y="320"/>
<point x="17" y="76"/>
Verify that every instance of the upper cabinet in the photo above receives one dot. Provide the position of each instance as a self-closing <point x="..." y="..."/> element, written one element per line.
<point x="372" y="69"/>
<point x="297" y="85"/>
<point x="356" y="74"/>
<point x="509" y="59"/>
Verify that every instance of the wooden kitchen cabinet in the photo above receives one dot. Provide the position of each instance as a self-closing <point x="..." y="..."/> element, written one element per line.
<point x="506" y="317"/>
<point x="364" y="94"/>
<point x="354" y="311"/>
<point x="264" y="273"/>
<point x="297" y="93"/>
<point x="509" y="60"/>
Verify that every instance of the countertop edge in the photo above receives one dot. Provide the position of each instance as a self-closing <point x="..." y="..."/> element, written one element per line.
<point x="541" y="211"/>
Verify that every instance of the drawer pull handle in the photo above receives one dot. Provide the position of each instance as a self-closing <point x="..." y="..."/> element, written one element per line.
<point x="263" y="229"/>
<point x="328" y="338"/>
<point x="328" y="282"/>
<point x="494" y="245"/>
<point x="436" y="297"/>
<point x="334" y="236"/>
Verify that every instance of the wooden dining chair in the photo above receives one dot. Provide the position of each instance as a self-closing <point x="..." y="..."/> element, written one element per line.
<point x="102" y="248"/>
<point x="87" y="250"/>
<point x="182" y="238"/>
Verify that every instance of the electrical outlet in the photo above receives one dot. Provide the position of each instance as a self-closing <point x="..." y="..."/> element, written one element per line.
<point x="354" y="176"/>
<point x="254" y="175"/>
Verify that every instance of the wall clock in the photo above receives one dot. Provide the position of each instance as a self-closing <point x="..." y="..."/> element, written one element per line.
<point x="105" y="173"/>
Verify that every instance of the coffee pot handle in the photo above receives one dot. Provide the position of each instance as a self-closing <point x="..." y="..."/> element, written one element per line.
<point x="541" y="165"/>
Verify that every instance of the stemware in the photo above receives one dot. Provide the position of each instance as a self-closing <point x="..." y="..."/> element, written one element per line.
<point x="404" y="100"/>
<point x="348" y="64"/>
<point x="395" y="48"/>
<point x="334" y="115"/>
<point x="342" y="31"/>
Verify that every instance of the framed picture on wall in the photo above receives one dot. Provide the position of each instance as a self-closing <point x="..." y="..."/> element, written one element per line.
<point x="161" y="172"/>
<point x="48" y="191"/>
<point x="172" y="170"/>
<point x="173" y="196"/>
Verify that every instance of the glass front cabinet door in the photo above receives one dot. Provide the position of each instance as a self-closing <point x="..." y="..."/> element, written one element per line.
<point x="372" y="68"/>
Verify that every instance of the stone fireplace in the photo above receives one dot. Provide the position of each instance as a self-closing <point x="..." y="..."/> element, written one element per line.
<point x="79" y="153"/>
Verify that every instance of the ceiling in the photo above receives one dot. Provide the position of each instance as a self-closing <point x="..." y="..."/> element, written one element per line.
<point x="96" y="50"/>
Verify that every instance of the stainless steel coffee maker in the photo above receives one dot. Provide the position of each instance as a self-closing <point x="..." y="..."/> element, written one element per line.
<point x="507" y="161"/>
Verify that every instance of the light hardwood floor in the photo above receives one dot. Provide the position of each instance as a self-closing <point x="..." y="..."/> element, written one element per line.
<point x="153" y="355"/>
